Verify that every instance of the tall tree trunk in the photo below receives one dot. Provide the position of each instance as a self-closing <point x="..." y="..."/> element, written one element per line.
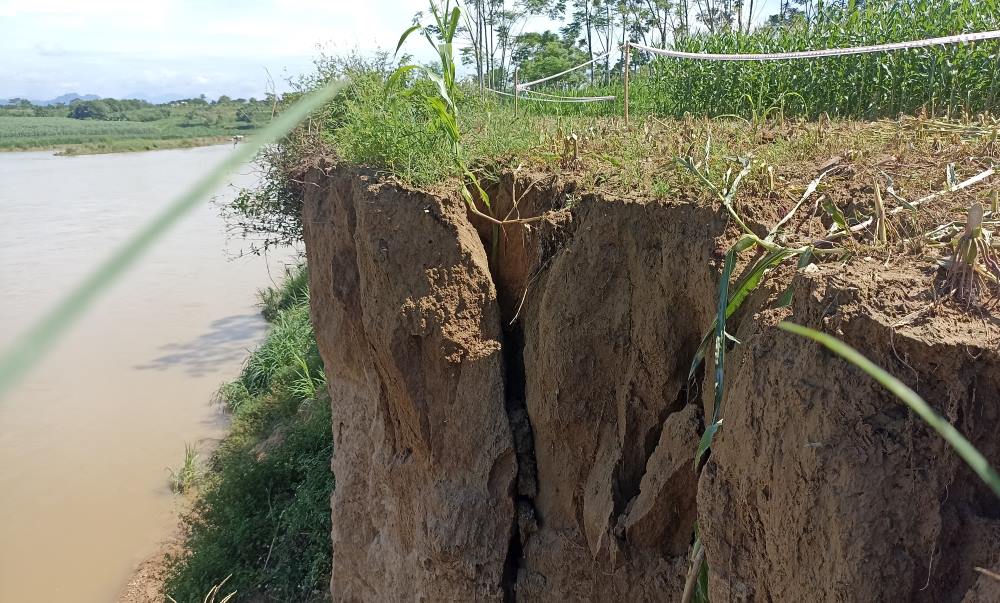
<point x="491" y="67"/>
<point x="607" y="43"/>
<point x="590" y="41"/>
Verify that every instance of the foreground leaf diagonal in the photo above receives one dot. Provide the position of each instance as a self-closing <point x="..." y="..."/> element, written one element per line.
<point x="955" y="439"/>
<point x="29" y="347"/>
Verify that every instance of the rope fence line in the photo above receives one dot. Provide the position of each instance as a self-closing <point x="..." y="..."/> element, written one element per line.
<point x="522" y="90"/>
<point x="526" y="85"/>
<point x="531" y="93"/>
<point x="549" y="98"/>
<point x="825" y="52"/>
<point x="966" y="38"/>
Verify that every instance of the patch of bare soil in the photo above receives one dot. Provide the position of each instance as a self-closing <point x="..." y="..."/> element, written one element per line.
<point x="146" y="585"/>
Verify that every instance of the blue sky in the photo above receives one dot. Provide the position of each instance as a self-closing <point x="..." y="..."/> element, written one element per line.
<point x="128" y="48"/>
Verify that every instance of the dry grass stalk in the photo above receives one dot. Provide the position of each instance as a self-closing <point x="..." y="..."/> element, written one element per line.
<point x="973" y="270"/>
<point x="881" y="234"/>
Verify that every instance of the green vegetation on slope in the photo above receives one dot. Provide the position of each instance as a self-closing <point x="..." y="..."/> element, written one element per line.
<point x="263" y="511"/>
<point x="387" y="124"/>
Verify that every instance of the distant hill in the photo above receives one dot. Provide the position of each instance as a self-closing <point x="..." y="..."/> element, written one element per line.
<point x="64" y="99"/>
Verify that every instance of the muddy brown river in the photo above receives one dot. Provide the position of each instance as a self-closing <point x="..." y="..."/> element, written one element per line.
<point x="86" y="439"/>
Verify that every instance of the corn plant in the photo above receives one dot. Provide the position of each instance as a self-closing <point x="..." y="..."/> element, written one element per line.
<point x="441" y="37"/>
<point x="776" y="251"/>
<point x="945" y="80"/>
<point x="973" y="269"/>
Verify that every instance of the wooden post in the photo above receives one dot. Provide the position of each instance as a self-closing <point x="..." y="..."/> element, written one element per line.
<point x="628" y="57"/>
<point x="515" y="90"/>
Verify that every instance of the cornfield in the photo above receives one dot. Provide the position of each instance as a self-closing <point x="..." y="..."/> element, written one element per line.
<point x="17" y="132"/>
<point x="939" y="81"/>
<point x="39" y="131"/>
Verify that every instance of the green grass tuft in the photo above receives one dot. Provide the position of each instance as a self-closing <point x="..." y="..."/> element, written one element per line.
<point x="185" y="478"/>
<point x="294" y="291"/>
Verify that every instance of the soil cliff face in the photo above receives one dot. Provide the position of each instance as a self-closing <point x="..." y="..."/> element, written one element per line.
<point x="407" y="321"/>
<point x="824" y="486"/>
<point x="513" y="419"/>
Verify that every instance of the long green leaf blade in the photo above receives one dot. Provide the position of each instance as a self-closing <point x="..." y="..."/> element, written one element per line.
<point x="406" y="34"/>
<point x="453" y="25"/>
<point x="720" y="354"/>
<point x="747" y="285"/>
<point x="31" y="345"/>
<point x="720" y="330"/>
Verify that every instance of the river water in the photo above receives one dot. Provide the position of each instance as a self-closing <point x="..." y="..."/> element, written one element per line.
<point x="86" y="439"/>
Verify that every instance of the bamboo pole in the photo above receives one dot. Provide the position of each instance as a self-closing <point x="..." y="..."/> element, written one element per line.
<point x="628" y="57"/>
<point x="515" y="90"/>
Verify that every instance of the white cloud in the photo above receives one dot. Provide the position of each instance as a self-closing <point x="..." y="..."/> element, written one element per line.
<point x="116" y="47"/>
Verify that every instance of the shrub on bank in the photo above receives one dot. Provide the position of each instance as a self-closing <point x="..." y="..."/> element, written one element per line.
<point x="263" y="513"/>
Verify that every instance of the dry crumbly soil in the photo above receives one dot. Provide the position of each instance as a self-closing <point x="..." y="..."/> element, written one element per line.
<point x="146" y="585"/>
<point x="513" y="415"/>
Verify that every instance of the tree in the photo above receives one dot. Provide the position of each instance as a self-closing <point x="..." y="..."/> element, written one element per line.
<point x="95" y="109"/>
<point x="581" y="28"/>
<point x="244" y="116"/>
<point x="541" y="54"/>
<point x="490" y="25"/>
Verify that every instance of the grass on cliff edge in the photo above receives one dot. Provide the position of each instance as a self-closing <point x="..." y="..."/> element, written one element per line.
<point x="263" y="511"/>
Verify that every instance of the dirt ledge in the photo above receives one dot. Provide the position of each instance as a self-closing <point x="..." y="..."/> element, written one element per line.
<point x="820" y="487"/>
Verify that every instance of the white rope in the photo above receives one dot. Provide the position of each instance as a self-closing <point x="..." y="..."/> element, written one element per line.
<point x="527" y="85"/>
<point x="541" y="98"/>
<point x="826" y="52"/>
<point x="578" y="98"/>
<point x="500" y="92"/>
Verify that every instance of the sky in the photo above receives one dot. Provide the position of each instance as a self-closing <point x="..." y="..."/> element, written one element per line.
<point x="160" y="49"/>
<point x="128" y="48"/>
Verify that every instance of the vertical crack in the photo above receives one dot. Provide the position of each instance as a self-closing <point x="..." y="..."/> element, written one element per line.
<point x="520" y="254"/>
<point x="526" y="485"/>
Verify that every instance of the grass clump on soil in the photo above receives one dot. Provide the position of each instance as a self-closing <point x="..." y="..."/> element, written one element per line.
<point x="263" y="511"/>
<point x="390" y="123"/>
<point x="294" y="291"/>
<point x="186" y="477"/>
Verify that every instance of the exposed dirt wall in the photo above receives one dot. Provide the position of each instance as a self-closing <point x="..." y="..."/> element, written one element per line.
<point x="513" y="418"/>
<point x="824" y="486"/>
<point x="606" y="325"/>
<point x="408" y="326"/>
